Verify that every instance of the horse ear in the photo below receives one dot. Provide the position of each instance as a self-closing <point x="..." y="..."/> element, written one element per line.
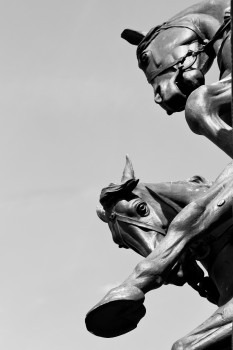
<point x="101" y="214"/>
<point x="198" y="179"/>
<point x="128" y="173"/>
<point x="133" y="37"/>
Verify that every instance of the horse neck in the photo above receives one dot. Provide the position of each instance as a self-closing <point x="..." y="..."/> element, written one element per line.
<point x="180" y="193"/>
<point x="207" y="16"/>
<point x="212" y="8"/>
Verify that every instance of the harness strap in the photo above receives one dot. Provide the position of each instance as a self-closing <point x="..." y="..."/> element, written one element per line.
<point x="180" y="60"/>
<point x="196" y="30"/>
<point x="207" y="47"/>
<point x="114" y="218"/>
<point x="128" y="220"/>
<point x="119" y="217"/>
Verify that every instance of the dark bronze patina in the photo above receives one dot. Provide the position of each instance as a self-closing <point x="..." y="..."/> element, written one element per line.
<point x="175" y="57"/>
<point x="177" y="224"/>
<point x="172" y="225"/>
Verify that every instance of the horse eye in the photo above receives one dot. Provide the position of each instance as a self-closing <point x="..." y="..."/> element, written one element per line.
<point x="144" y="59"/>
<point x="142" y="209"/>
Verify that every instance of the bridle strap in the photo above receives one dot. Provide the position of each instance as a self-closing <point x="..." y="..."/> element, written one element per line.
<point x="218" y="34"/>
<point x="179" y="61"/>
<point x="195" y="29"/>
<point x="207" y="48"/>
<point x="119" y="217"/>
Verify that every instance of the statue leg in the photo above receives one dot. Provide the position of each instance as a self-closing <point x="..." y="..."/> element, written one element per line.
<point x="208" y="113"/>
<point x="213" y="334"/>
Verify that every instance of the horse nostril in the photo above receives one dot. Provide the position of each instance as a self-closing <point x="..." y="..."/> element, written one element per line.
<point x="157" y="95"/>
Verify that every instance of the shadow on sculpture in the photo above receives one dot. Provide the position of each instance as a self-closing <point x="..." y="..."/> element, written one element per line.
<point x="174" y="225"/>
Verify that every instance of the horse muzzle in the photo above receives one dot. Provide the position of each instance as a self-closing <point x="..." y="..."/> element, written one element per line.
<point x="175" y="90"/>
<point x="190" y="80"/>
<point x="173" y="100"/>
<point x="167" y="93"/>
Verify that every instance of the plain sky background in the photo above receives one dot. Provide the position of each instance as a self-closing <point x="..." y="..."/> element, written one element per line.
<point x="73" y="103"/>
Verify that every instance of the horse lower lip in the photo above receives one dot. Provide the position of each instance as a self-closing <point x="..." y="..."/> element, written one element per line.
<point x="177" y="106"/>
<point x="180" y="100"/>
<point x="182" y="93"/>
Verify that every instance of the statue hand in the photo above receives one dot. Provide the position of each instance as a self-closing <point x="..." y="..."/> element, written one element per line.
<point x="117" y="313"/>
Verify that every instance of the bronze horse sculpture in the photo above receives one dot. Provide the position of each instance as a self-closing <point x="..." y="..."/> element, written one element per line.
<point x="172" y="225"/>
<point x="175" y="57"/>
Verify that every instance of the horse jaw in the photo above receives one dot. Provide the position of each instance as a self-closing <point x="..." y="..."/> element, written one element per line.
<point x="128" y="172"/>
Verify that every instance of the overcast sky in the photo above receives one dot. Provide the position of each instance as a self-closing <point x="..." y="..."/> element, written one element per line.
<point x="73" y="103"/>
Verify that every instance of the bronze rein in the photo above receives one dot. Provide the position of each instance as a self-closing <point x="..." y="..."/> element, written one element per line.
<point x="207" y="47"/>
<point x="115" y="217"/>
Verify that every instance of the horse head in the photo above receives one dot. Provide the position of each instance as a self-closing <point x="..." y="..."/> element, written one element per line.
<point x="173" y="58"/>
<point x="136" y="215"/>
